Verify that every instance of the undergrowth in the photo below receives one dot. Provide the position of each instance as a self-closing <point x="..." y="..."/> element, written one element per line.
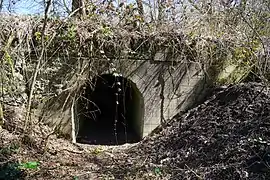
<point x="71" y="50"/>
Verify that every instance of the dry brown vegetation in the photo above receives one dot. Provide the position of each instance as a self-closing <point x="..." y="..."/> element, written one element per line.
<point x="80" y="48"/>
<point x="226" y="137"/>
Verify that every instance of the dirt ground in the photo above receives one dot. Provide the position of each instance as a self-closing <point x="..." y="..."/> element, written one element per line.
<point x="226" y="137"/>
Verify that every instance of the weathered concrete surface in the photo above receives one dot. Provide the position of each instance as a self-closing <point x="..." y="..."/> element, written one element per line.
<point x="167" y="88"/>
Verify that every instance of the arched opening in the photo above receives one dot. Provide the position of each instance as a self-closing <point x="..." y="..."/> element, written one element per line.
<point x="110" y="111"/>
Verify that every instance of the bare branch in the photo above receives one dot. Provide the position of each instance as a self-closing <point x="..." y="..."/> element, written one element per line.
<point x="37" y="68"/>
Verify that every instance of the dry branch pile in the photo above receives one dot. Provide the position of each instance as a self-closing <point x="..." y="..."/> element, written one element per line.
<point x="75" y="51"/>
<point x="90" y="38"/>
<point x="95" y="44"/>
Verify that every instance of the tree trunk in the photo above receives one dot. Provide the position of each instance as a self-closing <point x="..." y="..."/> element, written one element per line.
<point x="1" y="115"/>
<point x="140" y="7"/>
<point x="161" y="13"/>
<point x="1" y="5"/>
<point x="78" y="6"/>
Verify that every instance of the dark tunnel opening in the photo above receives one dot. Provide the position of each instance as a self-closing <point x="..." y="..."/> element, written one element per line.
<point x="111" y="113"/>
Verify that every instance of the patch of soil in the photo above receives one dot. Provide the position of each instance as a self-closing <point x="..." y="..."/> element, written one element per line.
<point x="58" y="158"/>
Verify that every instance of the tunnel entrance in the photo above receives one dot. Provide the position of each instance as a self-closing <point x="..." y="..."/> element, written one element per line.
<point x="110" y="111"/>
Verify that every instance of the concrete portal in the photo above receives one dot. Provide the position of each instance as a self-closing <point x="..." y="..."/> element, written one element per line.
<point x="154" y="91"/>
<point x="111" y="112"/>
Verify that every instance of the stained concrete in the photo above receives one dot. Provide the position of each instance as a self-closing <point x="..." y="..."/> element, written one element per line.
<point x="166" y="89"/>
<point x="184" y="85"/>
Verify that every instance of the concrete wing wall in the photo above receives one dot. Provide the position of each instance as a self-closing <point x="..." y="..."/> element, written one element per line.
<point x="166" y="89"/>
